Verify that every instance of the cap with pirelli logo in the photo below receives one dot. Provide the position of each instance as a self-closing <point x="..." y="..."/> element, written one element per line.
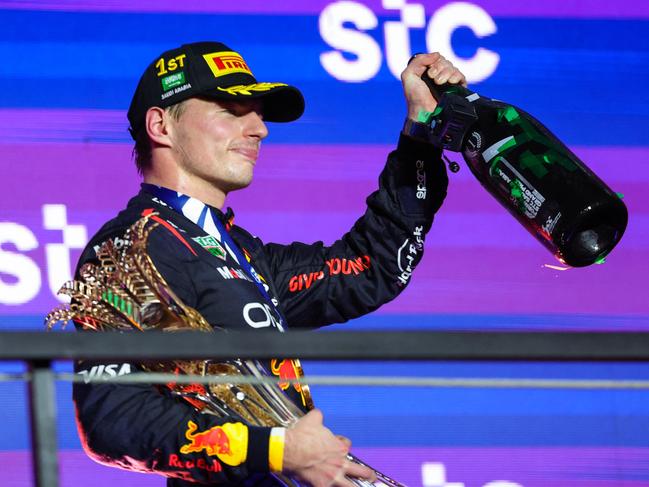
<point x="209" y="70"/>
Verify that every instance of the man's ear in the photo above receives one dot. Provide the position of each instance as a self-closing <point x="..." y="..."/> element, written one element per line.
<point x="157" y="126"/>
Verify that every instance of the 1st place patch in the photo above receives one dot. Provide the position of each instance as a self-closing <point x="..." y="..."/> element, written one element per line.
<point x="212" y="245"/>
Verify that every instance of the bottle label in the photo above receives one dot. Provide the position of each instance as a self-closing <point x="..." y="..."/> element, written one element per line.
<point x="519" y="189"/>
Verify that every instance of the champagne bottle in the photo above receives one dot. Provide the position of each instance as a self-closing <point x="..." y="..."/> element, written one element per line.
<point x="541" y="182"/>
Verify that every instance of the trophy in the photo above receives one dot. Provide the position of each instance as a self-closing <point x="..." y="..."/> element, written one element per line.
<point x="124" y="291"/>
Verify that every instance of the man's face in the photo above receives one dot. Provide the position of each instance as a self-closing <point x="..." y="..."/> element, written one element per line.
<point x="218" y="142"/>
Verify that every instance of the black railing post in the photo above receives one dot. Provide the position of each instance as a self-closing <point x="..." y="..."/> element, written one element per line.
<point x="42" y="410"/>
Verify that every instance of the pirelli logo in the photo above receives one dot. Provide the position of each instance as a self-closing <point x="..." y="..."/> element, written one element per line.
<point x="227" y="62"/>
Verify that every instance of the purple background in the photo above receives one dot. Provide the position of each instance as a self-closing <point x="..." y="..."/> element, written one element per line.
<point x="464" y="467"/>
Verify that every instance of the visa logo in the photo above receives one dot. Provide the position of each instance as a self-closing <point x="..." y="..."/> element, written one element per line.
<point x="104" y="371"/>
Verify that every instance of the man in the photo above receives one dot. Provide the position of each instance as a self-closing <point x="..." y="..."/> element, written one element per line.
<point x="198" y="118"/>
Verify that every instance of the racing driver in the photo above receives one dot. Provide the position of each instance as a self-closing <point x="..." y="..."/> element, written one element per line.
<point x="198" y="117"/>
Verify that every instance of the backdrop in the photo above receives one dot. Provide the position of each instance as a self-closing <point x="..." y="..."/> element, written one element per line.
<point x="68" y="70"/>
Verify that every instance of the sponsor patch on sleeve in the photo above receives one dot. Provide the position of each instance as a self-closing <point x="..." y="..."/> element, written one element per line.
<point x="335" y="266"/>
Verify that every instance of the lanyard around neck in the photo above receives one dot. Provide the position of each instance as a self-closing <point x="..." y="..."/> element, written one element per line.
<point x="208" y="219"/>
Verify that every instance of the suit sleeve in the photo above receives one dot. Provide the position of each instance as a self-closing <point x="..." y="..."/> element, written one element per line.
<point x="147" y="429"/>
<point x="373" y="262"/>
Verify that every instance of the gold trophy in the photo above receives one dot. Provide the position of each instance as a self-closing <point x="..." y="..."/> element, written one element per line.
<point x="125" y="291"/>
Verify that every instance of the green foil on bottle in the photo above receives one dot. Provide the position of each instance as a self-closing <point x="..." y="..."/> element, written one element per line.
<point x="529" y="160"/>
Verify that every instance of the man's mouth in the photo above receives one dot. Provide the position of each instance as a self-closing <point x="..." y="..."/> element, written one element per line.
<point x="248" y="152"/>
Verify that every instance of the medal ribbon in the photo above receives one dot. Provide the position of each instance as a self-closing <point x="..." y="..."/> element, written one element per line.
<point x="206" y="217"/>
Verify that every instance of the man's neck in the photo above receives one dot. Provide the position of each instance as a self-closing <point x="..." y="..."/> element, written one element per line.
<point x="200" y="190"/>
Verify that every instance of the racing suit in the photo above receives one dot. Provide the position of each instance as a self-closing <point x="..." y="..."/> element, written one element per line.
<point x="147" y="429"/>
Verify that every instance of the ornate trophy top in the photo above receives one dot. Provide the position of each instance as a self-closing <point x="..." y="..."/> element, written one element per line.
<point x="124" y="290"/>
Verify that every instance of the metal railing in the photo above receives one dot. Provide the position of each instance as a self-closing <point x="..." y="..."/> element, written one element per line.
<point x="40" y="349"/>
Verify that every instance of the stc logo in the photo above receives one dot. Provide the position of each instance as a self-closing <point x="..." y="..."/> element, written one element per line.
<point x="24" y="281"/>
<point x="344" y="26"/>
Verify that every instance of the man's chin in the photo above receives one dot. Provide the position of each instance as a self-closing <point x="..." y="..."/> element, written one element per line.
<point x="236" y="185"/>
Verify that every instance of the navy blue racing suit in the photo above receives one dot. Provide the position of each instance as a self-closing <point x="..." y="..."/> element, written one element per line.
<point x="147" y="429"/>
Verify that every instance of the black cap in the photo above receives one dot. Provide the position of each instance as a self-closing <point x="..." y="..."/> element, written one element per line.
<point x="208" y="70"/>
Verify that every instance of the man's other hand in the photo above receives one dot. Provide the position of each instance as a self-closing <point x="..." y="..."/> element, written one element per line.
<point x="313" y="454"/>
<point x="418" y="96"/>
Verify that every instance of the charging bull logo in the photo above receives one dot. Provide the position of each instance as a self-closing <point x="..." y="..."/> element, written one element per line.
<point x="289" y="371"/>
<point x="228" y="442"/>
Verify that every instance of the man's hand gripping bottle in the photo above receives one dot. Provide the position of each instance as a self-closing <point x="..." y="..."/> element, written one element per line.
<point x="559" y="200"/>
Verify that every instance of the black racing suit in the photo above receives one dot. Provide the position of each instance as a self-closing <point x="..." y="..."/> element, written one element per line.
<point x="143" y="428"/>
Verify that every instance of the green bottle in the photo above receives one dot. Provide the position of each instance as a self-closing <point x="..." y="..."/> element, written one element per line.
<point x="541" y="182"/>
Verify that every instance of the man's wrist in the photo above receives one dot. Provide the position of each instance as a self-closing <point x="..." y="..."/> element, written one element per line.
<point x="420" y="126"/>
<point x="276" y="442"/>
<point x="417" y="130"/>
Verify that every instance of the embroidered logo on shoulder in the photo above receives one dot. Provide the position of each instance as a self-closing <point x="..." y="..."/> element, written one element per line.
<point x="212" y="245"/>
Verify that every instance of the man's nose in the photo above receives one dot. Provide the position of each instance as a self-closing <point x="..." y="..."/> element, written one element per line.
<point x="255" y="126"/>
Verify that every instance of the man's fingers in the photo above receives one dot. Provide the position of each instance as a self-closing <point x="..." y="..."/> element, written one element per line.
<point x="441" y="71"/>
<point x="433" y="71"/>
<point x="420" y="62"/>
<point x="345" y="441"/>
<point x="342" y="481"/>
<point x="448" y="74"/>
<point x="456" y="77"/>
<point x="443" y="78"/>
<point x="425" y="59"/>
<point x="361" y="471"/>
